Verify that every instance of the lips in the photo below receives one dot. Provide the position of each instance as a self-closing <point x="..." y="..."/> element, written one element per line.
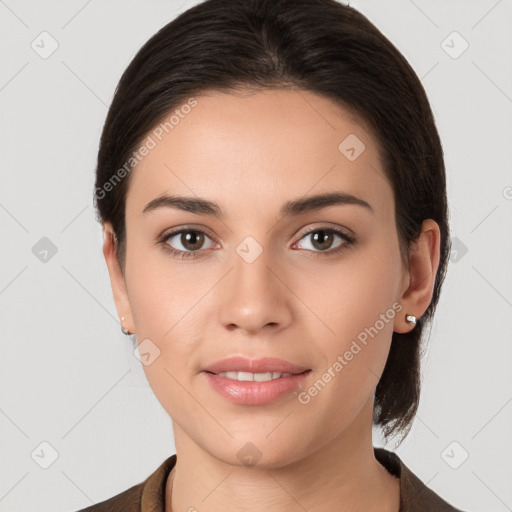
<point x="245" y="381"/>
<point x="264" y="365"/>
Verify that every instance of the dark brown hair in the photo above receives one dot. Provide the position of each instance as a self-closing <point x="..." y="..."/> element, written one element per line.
<point x="317" y="45"/>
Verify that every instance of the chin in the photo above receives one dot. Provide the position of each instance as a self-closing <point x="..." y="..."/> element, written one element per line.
<point x="261" y="455"/>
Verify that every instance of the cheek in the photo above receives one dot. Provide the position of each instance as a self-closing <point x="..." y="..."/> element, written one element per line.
<point x="163" y="311"/>
<point x="350" y="295"/>
<point x="159" y="295"/>
<point x="355" y="303"/>
<point x="157" y="303"/>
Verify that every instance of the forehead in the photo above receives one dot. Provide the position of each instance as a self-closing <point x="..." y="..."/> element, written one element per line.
<point x="248" y="149"/>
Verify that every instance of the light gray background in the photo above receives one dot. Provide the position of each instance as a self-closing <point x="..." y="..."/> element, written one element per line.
<point x="68" y="376"/>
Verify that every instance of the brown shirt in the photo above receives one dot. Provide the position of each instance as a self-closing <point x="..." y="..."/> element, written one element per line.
<point x="149" y="495"/>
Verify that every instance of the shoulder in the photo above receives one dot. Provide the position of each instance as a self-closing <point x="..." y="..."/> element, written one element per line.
<point x="126" y="501"/>
<point x="415" y="496"/>
<point x="148" y="494"/>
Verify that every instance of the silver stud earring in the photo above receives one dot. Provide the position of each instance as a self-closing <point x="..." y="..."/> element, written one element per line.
<point x="124" y="331"/>
<point x="411" y="319"/>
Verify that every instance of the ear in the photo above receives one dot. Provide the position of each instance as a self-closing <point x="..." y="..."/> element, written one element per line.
<point x="117" y="280"/>
<point x="424" y="256"/>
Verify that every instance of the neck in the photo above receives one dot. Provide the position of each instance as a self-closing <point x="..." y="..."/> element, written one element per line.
<point x="341" y="475"/>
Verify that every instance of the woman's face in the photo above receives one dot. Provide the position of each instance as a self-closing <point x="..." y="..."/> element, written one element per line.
<point x="263" y="279"/>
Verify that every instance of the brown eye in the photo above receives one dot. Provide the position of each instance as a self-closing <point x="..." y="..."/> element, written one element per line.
<point x="192" y="240"/>
<point x="325" y="240"/>
<point x="187" y="240"/>
<point x="322" y="240"/>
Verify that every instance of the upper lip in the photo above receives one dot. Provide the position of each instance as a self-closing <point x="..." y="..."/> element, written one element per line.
<point x="243" y="364"/>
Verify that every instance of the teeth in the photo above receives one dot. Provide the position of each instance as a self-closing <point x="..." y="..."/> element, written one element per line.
<point x="258" y="377"/>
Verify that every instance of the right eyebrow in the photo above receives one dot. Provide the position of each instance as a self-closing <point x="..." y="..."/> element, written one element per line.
<point x="188" y="204"/>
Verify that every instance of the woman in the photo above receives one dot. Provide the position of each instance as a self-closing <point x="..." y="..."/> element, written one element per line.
<point x="271" y="186"/>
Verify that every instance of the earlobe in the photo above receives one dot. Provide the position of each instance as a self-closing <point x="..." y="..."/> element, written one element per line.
<point x="424" y="256"/>
<point x="117" y="279"/>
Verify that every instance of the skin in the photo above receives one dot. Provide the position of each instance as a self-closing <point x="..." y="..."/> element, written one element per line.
<point x="250" y="153"/>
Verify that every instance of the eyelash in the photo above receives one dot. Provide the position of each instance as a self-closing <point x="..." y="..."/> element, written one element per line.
<point x="348" y="241"/>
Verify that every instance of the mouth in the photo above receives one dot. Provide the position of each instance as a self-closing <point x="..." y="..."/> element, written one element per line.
<point x="244" y="381"/>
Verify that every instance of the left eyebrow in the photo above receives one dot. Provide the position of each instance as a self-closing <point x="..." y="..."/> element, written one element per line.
<point x="316" y="202"/>
<point x="290" y="208"/>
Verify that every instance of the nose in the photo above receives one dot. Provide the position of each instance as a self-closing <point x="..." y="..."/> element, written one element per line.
<point x="254" y="295"/>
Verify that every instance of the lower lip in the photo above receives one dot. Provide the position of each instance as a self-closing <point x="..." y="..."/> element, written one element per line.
<point x="255" y="393"/>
